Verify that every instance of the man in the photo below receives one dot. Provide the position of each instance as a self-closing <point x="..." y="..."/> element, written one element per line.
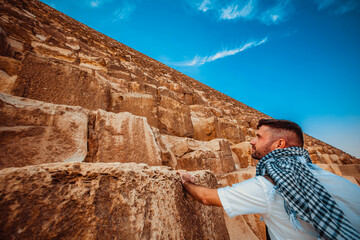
<point x="297" y="199"/>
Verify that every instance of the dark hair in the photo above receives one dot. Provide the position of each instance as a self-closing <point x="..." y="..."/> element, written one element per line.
<point x="284" y="125"/>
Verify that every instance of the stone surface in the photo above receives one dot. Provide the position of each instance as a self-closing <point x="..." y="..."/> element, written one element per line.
<point x="194" y="155"/>
<point x="174" y="118"/>
<point x="33" y="132"/>
<point x="243" y="153"/>
<point x="204" y="128"/>
<point x="121" y="137"/>
<point x="229" y="129"/>
<point x="139" y="104"/>
<point x="351" y="170"/>
<point x="57" y="82"/>
<point x="103" y="201"/>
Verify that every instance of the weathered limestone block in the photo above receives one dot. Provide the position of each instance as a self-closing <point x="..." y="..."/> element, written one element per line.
<point x="204" y="122"/>
<point x="174" y="118"/>
<point x="193" y="155"/>
<point x="56" y="82"/>
<point x="9" y="65"/>
<point x="216" y="156"/>
<point x="165" y="92"/>
<point x="325" y="158"/>
<point x="34" y="132"/>
<point x="243" y="152"/>
<point x="7" y="82"/>
<point x="237" y="226"/>
<point x="351" y="170"/>
<point x="201" y="111"/>
<point x="104" y="201"/>
<point x="139" y="104"/>
<point x="207" y="126"/>
<point x="5" y="47"/>
<point x="96" y="62"/>
<point x="333" y="168"/>
<point x="167" y="156"/>
<point x="57" y="52"/>
<point x="315" y="158"/>
<point x="204" y="128"/>
<point x="199" y="98"/>
<point x="117" y="85"/>
<point x="121" y="137"/>
<point x="241" y="175"/>
<point x="120" y="74"/>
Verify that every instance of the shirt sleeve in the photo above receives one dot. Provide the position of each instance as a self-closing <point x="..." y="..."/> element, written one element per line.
<point x="247" y="197"/>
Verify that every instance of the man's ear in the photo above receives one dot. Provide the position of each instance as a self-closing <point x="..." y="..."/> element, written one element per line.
<point x="281" y="143"/>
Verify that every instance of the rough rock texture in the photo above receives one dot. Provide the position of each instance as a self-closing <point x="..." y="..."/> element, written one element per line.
<point x="121" y="137"/>
<point x="103" y="201"/>
<point x="70" y="93"/>
<point x="193" y="155"/>
<point x="33" y="132"/>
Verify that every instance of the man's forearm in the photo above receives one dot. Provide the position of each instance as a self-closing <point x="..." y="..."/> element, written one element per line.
<point x="202" y="194"/>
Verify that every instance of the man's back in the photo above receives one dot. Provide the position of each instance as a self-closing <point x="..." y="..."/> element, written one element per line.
<point x="257" y="195"/>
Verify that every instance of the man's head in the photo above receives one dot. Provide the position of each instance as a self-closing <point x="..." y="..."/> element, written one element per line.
<point x="274" y="134"/>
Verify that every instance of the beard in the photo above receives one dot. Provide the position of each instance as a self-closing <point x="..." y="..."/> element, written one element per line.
<point x="260" y="153"/>
<point x="255" y="155"/>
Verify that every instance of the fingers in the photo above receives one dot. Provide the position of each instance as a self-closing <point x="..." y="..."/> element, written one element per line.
<point x="186" y="177"/>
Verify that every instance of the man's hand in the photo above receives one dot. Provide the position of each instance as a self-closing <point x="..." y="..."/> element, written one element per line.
<point x="202" y="194"/>
<point x="186" y="177"/>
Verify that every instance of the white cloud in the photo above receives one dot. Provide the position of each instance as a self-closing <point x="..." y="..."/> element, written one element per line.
<point x="324" y="3"/>
<point x="197" y="61"/>
<point x="232" y="12"/>
<point x="338" y="6"/>
<point x="94" y="4"/>
<point x="277" y="14"/>
<point x="98" y="3"/>
<point x="124" y="12"/>
<point x="347" y="6"/>
<point x="205" y="5"/>
<point x="272" y="12"/>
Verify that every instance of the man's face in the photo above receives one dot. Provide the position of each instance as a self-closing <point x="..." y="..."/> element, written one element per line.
<point x="263" y="143"/>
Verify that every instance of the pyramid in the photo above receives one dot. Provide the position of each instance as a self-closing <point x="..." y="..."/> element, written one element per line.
<point x="92" y="133"/>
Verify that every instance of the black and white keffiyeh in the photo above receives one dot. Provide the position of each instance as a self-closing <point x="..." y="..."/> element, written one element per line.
<point x="303" y="194"/>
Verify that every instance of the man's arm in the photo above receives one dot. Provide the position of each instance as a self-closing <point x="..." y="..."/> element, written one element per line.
<point x="207" y="196"/>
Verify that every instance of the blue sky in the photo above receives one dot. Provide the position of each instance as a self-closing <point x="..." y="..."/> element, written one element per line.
<point x="290" y="59"/>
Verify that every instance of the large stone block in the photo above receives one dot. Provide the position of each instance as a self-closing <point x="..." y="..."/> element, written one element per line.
<point x="243" y="152"/>
<point x="9" y="67"/>
<point x="204" y="122"/>
<point x="204" y="128"/>
<point x="192" y="155"/>
<point x="34" y="132"/>
<point x="5" y="47"/>
<point x="237" y="226"/>
<point x="229" y="129"/>
<point x="351" y="170"/>
<point x="241" y="175"/>
<point x="104" y="201"/>
<point x="57" y="82"/>
<point x="139" y="104"/>
<point x="121" y="137"/>
<point x="174" y="118"/>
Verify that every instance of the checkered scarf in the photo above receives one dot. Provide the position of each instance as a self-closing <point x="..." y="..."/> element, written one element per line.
<point x="304" y="195"/>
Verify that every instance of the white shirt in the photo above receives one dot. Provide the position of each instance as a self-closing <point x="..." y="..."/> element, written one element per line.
<point x="257" y="195"/>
